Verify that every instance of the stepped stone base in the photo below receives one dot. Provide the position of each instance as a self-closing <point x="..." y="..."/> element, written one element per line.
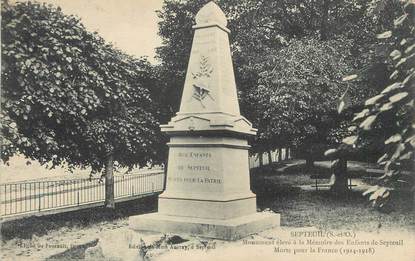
<point x="226" y="229"/>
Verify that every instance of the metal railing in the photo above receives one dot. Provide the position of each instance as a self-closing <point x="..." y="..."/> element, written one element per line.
<point x="38" y="196"/>
<point x="254" y="160"/>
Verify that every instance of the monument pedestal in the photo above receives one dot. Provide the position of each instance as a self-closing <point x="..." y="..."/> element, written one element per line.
<point x="227" y="229"/>
<point x="207" y="187"/>
<point x="208" y="192"/>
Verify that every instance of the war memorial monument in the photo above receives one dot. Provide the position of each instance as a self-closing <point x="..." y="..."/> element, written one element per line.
<point x="207" y="191"/>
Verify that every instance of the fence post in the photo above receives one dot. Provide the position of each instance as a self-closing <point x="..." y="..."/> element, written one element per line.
<point x="77" y="197"/>
<point x="39" y="202"/>
<point x="132" y="190"/>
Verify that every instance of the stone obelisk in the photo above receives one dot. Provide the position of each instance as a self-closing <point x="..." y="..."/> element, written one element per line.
<point x="207" y="190"/>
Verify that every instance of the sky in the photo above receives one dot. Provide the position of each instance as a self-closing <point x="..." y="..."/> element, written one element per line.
<point x="131" y="25"/>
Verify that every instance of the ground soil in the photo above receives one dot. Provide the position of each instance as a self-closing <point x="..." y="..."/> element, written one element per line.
<point x="287" y="192"/>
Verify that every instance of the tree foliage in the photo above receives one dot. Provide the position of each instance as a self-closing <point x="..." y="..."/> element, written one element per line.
<point x="289" y="59"/>
<point x="297" y="92"/>
<point x="70" y="97"/>
<point x="392" y="110"/>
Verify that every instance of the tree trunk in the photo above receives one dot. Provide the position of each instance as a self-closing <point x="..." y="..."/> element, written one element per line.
<point x="261" y="163"/>
<point x="309" y="162"/>
<point x="324" y="20"/>
<point x="269" y="158"/>
<point x="340" y="176"/>
<point x="166" y="165"/>
<point x="109" y="182"/>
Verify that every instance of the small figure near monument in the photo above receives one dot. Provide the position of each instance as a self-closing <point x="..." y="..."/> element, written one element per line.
<point x="208" y="192"/>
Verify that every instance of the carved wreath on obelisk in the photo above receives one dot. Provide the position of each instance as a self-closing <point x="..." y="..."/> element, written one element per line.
<point x="200" y="86"/>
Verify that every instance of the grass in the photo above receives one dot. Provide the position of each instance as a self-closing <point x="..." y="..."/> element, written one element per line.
<point x="280" y="192"/>
<point x="324" y="210"/>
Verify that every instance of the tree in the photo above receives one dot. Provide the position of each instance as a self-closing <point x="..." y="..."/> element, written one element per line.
<point x="284" y="53"/>
<point x="392" y="110"/>
<point x="296" y="96"/>
<point x="70" y="98"/>
<point x="265" y="35"/>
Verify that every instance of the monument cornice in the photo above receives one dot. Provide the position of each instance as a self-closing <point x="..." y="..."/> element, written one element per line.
<point x="206" y="25"/>
<point x="194" y="124"/>
<point x="210" y="200"/>
<point x="218" y="132"/>
<point x="207" y="145"/>
<point x="209" y="197"/>
<point x="204" y="112"/>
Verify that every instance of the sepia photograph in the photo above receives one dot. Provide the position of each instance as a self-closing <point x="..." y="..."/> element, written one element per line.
<point x="162" y="130"/>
